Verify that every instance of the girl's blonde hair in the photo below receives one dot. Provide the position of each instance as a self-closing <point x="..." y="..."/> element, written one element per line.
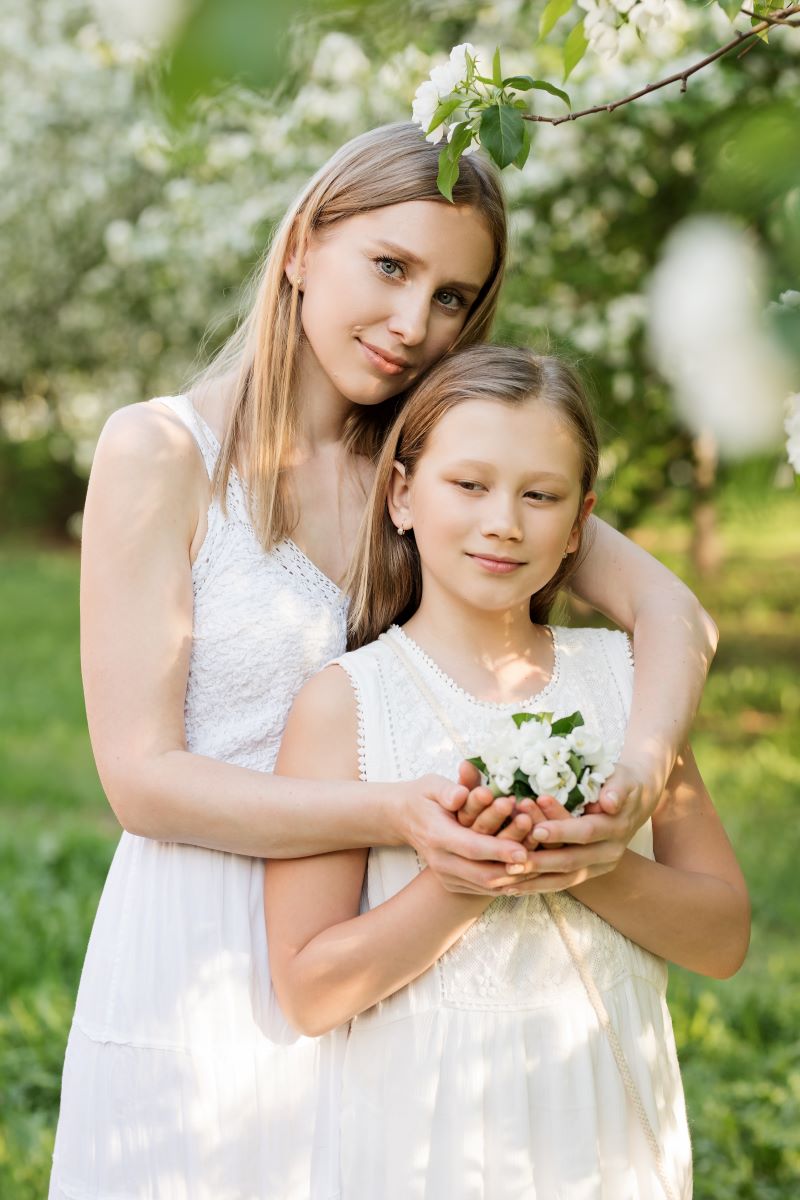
<point x="389" y="165"/>
<point x="385" y="579"/>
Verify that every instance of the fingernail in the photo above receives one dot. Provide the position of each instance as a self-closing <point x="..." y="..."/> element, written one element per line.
<point x="516" y="869"/>
<point x="611" y="799"/>
<point x="541" y="834"/>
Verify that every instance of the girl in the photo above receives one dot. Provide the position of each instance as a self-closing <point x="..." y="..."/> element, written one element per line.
<point x="217" y="529"/>
<point x="507" y="1048"/>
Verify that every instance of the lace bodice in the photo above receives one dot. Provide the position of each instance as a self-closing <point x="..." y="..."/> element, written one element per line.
<point x="512" y="957"/>
<point x="263" y="624"/>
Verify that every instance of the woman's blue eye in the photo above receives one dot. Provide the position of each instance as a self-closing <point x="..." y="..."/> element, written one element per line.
<point x="388" y="266"/>
<point x="454" y="300"/>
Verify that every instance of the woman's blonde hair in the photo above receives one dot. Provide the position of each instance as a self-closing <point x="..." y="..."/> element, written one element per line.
<point x="385" y="579"/>
<point x="385" y="166"/>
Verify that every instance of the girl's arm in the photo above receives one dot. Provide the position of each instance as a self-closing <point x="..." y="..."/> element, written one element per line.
<point x="327" y="961"/>
<point x="689" y="906"/>
<point x="674" y="641"/>
<point x="144" y="521"/>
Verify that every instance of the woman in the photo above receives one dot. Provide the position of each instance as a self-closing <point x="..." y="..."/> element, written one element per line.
<point x="215" y="533"/>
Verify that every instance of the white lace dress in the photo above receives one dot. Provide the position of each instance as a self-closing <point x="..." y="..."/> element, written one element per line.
<point x="176" y="1085"/>
<point x="489" y="1078"/>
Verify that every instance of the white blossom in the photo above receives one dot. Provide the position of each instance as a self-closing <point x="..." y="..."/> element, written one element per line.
<point x="792" y="427"/>
<point x="584" y="742"/>
<point x="708" y="336"/>
<point x="423" y="106"/>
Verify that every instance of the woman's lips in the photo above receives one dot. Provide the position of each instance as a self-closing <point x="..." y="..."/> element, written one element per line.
<point x="378" y="360"/>
<point x="497" y="566"/>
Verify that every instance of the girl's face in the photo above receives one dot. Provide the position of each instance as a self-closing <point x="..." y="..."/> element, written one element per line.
<point x="386" y="293"/>
<point x="494" y="503"/>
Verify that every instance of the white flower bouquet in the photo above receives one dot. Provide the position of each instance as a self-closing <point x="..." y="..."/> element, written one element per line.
<point x="530" y="754"/>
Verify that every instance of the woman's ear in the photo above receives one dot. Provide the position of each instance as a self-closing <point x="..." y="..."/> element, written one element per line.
<point x="589" y="501"/>
<point x="398" y="497"/>
<point x="295" y="269"/>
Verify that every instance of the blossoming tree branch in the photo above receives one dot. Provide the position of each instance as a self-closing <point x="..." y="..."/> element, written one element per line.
<point x="466" y="107"/>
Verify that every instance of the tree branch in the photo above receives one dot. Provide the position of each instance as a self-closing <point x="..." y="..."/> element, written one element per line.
<point x="779" y="18"/>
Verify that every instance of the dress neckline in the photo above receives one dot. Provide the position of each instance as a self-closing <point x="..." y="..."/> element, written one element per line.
<point x="299" y="555"/>
<point x="433" y="668"/>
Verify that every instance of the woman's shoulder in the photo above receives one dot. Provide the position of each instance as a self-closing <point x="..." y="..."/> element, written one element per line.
<point x="149" y="433"/>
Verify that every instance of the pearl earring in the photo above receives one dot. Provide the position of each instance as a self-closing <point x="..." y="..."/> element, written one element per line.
<point x="401" y="529"/>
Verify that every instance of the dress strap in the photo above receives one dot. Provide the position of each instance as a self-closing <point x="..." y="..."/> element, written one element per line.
<point x="200" y="431"/>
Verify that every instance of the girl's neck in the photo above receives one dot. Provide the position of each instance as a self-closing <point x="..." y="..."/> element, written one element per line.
<point x="498" y="656"/>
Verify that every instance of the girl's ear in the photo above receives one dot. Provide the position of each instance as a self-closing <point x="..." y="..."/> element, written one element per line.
<point x="589" y="502"/>
<point x="398" y="497"/>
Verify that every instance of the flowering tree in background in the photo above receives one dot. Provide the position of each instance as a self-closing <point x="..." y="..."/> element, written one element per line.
<point x="127" y="235"/>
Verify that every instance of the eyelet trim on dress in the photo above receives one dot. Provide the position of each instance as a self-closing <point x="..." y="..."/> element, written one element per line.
<point x="362" y="735"/>
<point x="495" y="705"/>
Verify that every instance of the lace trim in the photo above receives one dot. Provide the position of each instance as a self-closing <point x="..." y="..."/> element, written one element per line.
<point x="287" y="552"/>
<point x="362" y="732"/>
<point x="447" y="681"/>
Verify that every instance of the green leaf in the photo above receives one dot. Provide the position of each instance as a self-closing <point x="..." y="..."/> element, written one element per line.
<point x="566" y="724"/>
<point x="497" y="72"/>
<point x="574" y="49"/>
<point x="460" y="139"/>
<point x="730" y="7"/>
<point x="448" y="173"/>
<point x="443" y="112"/>
<point x="554" y="10"/>
<point x="479" y="763"/>
<point x="523" y="717"/>
<point x="502" y="133"/>
<point x="543" y="86"/>
<point x="522" y="157"/>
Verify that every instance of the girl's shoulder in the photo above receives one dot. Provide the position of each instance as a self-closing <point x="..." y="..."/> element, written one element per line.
<point x="583" y="644"/>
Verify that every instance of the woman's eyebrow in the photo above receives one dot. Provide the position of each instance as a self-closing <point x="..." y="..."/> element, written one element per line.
<point x="400" y="252"/>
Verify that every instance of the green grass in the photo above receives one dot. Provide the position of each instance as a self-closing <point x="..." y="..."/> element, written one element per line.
<point x="739" y="1040"/>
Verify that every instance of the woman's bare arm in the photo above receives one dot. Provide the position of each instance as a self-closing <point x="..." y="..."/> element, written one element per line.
<point x="674" y="641"/>
<point x="327" y="961"/>
<point x="144" y="516"/>
<point x="689" y="906"/>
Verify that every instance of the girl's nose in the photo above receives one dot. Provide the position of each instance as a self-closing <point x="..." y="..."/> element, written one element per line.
<point x="500" y="520"/>
<point x="409" y="321"/>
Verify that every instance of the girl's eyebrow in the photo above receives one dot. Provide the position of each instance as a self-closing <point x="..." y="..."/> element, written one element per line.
<point x="400" y="252"/>
<point x="478" y="464"/>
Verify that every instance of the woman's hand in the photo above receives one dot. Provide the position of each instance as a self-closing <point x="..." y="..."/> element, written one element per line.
<point x="625" y="803"/>
<point x="457" y="831"/>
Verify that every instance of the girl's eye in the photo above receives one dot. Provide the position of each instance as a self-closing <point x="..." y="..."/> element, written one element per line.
<point x="389" y="267"/>
<point x="452" y="300"/>
<point x="469" y="485"/>
<point x="542" y="496"/>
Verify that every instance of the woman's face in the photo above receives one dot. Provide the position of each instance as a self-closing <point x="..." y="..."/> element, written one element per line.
<point x="494" y="503"/>
<point x="386" y="293"/>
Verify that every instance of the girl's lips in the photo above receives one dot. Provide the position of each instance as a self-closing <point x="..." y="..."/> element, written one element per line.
<point x="376" y="359"/>
<point x="497" y="566"/>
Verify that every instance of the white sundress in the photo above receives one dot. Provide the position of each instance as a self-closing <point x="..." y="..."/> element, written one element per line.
<point x="182" y="1080"/>
<point x="488" y="1077"/>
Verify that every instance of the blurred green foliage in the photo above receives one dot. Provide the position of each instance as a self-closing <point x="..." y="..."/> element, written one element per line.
<point x="126" y="238"/>
<point x="739" y="1040"/>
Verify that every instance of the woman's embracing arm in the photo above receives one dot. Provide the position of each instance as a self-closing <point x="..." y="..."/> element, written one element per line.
<point x="674" y="642"/>
<point x="690" y="906"/>
<point x="329" y="963"/>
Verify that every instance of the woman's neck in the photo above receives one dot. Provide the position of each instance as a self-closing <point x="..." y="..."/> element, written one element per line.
<point x="497" y="656"/>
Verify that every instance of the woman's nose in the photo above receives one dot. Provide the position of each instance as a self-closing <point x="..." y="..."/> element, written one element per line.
<point x="409" y="321"/>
